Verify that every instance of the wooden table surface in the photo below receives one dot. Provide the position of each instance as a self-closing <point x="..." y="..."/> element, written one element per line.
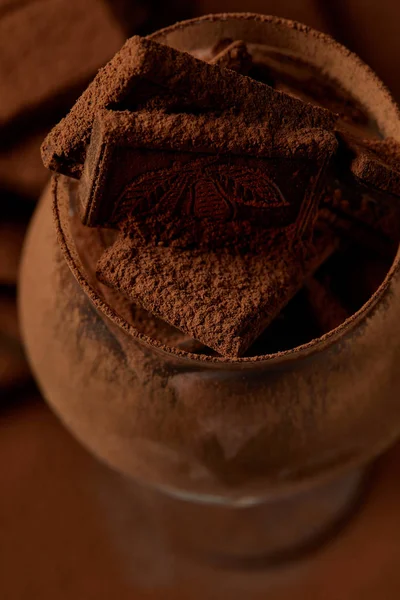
<point x="65" y="534"/>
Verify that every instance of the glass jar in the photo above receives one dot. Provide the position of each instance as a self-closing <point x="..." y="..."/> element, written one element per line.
<point x="249" y="459"/>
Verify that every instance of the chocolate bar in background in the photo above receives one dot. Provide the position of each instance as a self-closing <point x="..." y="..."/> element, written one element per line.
<point x="49" y="51"/>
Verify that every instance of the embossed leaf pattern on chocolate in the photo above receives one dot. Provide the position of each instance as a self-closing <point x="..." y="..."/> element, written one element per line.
<point x="206" y="190"/>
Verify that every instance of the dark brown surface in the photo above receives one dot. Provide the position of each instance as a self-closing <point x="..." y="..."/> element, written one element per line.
<point x="67" y="533"/>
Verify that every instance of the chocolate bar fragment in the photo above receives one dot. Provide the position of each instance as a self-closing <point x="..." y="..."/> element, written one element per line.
<point x="144" y="69"/>
<point x="212" y="168"/>
<point x="235" y="56"/>
<point x="48" y="47"/>
<point x="223" y="298"/>
<point x="362" y="198"/>
<point x="327" y="310"/>
<point x="289" y="73"/>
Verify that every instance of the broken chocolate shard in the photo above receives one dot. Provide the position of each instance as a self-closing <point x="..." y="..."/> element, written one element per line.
<point x="362" y="193"/>
<point x="377" y="165"/>
<point x="205" y="178"/>
<point x="222" y="298"/>
<point x="144" y="68"/>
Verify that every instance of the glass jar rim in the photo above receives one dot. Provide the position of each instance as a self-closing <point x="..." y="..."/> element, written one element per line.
<point x="388" y="119"/>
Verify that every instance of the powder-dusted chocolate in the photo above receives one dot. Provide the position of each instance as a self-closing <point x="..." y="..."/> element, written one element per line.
<point x="289" y="73"/>
<point x="192" y="169"/>
<point x="234" y="56"/>
<point x="49" y="46"/>
<point x="222" y="298"/>
<point x="144" y="69"/>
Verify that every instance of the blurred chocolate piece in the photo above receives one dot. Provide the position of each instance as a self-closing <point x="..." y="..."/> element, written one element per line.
<point x="362" y="198"/>
<point x="48" y="48"/>
<point x="144" y="69"/>
<point x="235" y="56"/>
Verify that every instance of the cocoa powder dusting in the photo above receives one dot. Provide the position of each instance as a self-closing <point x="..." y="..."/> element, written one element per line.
<point x="223" y="298"/>
<point x="143" y="69"/>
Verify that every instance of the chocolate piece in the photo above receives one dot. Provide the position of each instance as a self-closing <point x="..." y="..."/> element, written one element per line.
<point x="377" y="164"/>
<point x="289" y="73"/>
<point x="187" y="168"/>
<point x="49" y="46"/>
<point x="144" y="69"/>
<point x="235" y="56"/>
<point x="222" y="298"/>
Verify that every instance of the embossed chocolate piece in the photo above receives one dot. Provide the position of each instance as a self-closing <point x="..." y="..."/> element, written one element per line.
<point x="204" y="177"/>
<point x="144" y="69"/>
<point x="197" y="202"/>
